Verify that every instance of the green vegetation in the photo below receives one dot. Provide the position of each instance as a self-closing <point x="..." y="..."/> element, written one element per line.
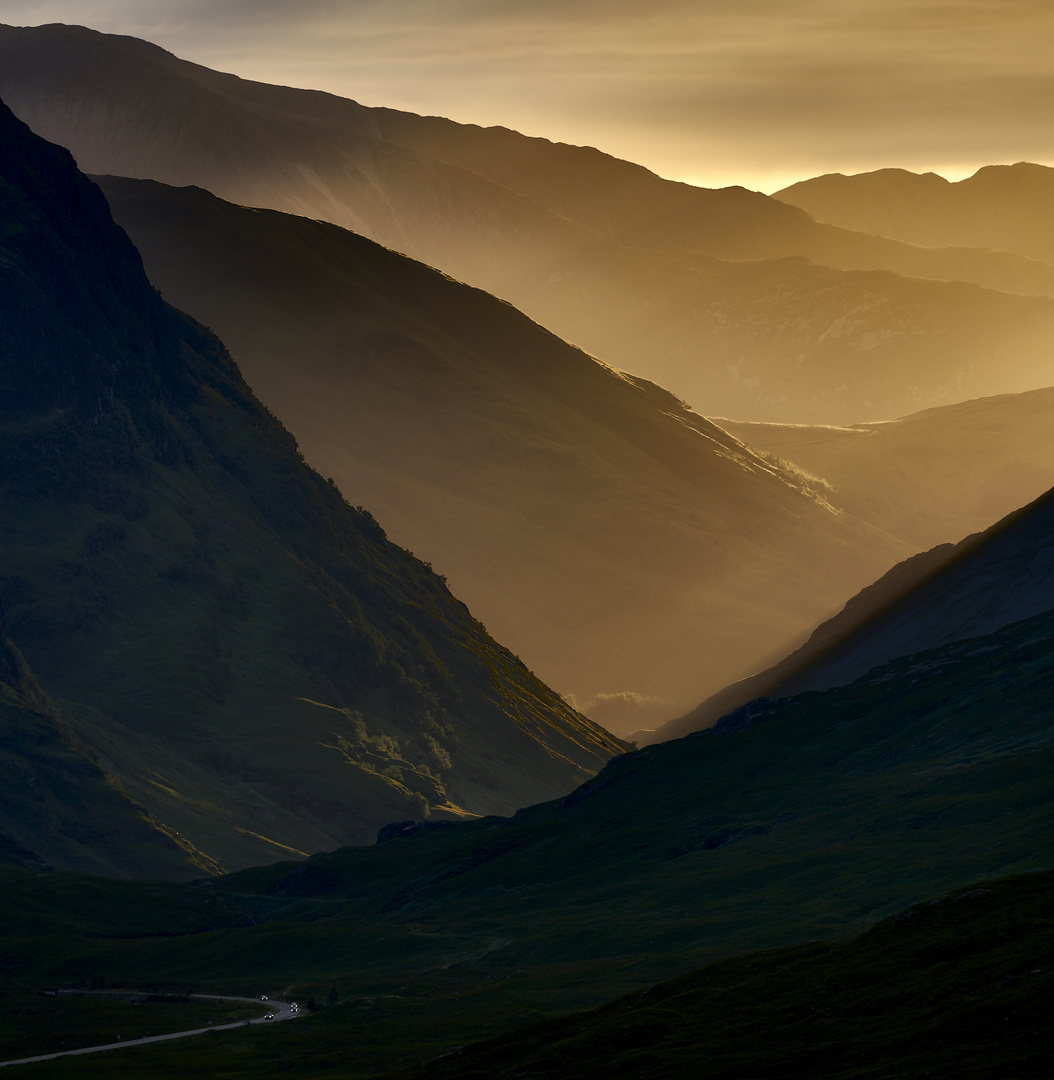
<point x="959" y="988"/>
<point x="806" y="819"/>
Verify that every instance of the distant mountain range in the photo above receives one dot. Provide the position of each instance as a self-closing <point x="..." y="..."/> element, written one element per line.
<point x="1005" y="207"/>
<point x="932" y="477"/>
<point x="739" y="303"/>
<point x="621" y="544"/>
<point x="196" y="623"/>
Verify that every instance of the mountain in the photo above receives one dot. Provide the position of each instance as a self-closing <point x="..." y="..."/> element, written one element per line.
<point x="245" y="655"/>
<point x="952" y="593"/>
<point x="813" y="819"/>
<point x="1006" y="207"/>
<point x="632" y="552"/>
<point x="929" y="478"/>
<point x="710" y="293"/>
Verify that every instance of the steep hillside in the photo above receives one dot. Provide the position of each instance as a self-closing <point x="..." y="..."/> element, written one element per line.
<point x="1006" y="207"/>
<point x="617" y="542"/>
<point x="932" y="477"/>
<point x="947" y="594"/>
<point x="607" y="255"/>
<point x="250" y="657"/>
<point x="61" y="806"/>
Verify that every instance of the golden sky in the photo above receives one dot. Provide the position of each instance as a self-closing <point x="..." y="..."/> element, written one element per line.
<point x="757" y="92"/>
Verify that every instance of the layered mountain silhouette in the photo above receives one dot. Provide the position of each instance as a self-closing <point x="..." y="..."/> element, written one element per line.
<point x="951" y="593"/>
<point x="1005" y="207"/>
<point x="619" y="543"/>
<point x="710" y="293"/>
<point x="932" y="477"/>
<point x="211" y="626"/>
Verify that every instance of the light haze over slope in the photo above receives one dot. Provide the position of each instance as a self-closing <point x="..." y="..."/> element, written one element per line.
<point x="631" y="267"/>
<point x="950" y="593"/>
<point x="1007" y="207"/>
<point x="932" y="477"/>
<point x="617" y="541"/>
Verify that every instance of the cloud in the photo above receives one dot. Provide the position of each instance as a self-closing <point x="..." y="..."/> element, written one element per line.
<point x="716" y="90"/>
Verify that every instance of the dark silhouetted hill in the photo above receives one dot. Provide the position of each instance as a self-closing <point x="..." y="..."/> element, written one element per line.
<point x="952" y="988"/>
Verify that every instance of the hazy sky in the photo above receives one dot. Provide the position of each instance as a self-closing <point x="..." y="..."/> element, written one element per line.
<point x="759" y="92"/>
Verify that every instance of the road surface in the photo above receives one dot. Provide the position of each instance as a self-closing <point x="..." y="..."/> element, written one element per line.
<point x="273" y="1012"/>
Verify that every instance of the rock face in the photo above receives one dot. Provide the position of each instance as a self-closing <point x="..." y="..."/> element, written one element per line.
<point x="742" y="305"/>
<point x="248" y="655"/>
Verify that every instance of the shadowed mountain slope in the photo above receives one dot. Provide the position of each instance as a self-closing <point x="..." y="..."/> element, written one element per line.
<point x="61" y="806"/>
<point x="1007" y="207"/>
<point x="949" y="593"/>
<point x="615" y="540"/>
<point x="251" y="658"/>
<point x="607" y="255"/>
<point x="932" y="477"/>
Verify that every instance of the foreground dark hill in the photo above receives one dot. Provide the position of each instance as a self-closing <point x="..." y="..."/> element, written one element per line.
<point x="957" y="988"/>
<point x="1007" y="207"/>
<point x="609" y="256"/>
<point x="932" y="477"/>
<point x="812" y="819"/>
<point x="949" y="593"/>
<point x="244" y="653"/>
<point x="617" y="542"/>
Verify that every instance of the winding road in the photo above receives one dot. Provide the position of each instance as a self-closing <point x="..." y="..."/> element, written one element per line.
<point x="275" y="1011"/>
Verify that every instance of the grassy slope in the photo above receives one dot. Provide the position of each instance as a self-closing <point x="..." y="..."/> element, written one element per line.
<point x="264" y="670"/>
<point x="821" y="816"/>
<point x="956" y="988"/>
<point x="63" y="805"/>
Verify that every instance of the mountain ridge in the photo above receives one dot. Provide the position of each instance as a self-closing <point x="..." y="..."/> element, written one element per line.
<point x="729" y="338"/>
<point x="261" y="667"/>
<point x="620" y="542"/>
<point x="951" y="593"/>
